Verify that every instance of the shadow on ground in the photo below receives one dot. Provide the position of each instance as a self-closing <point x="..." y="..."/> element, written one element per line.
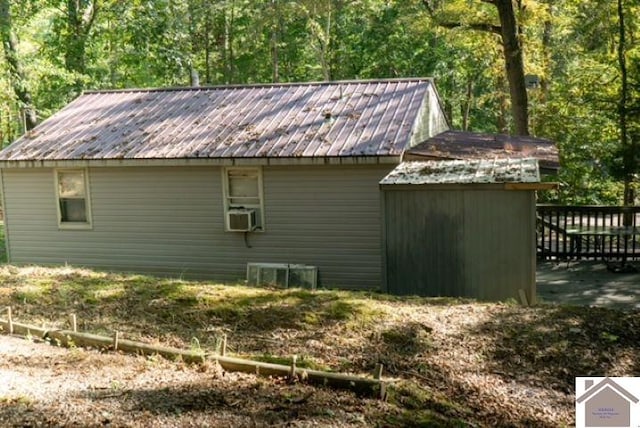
<point x="587" y="283"/>
<point x="550" y="348"/>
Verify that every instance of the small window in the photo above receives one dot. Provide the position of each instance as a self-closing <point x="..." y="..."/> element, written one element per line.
<point x="73" y="198"/>
<point x="243" y="193"/>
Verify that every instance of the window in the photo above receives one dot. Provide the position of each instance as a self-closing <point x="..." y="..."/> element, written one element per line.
<point x="243" y="194"/>
<point x="72" y="198"/>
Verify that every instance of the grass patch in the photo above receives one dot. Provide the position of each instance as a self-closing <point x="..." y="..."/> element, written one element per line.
<point x="3" y="245"/>
<point x="440" y="350"/>
<point x="423" y="407"/>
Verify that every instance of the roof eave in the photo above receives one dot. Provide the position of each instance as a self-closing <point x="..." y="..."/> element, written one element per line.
<point x="258" y="161"/>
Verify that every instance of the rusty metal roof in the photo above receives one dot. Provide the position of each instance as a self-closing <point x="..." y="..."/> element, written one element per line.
<point x="337" y="119"/>
<point x="483" y="171"/>
<point x="471" y="145"/>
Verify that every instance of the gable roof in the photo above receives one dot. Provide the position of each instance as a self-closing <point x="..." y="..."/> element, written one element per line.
<point x="476" y="145"/>
<point x="306" y="120"/>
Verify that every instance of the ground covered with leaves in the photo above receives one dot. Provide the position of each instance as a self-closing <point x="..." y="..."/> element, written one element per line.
<point x="449" y="362"/>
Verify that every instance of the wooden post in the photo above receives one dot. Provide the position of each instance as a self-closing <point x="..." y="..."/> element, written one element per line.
<point x="292" y="371"/>
<point x="377" y="373"/>
<point x="523" y="297"/>
<point x="223" y="345"/>
<point x="74" y="323"/>
<point x="115" y="340"/>
<point x="10" y="319"/>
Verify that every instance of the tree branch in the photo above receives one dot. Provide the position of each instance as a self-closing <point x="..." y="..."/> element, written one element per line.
<point x="479" y="26"/>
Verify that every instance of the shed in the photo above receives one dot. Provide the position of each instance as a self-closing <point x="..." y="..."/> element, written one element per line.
<point x="461" y="228"/>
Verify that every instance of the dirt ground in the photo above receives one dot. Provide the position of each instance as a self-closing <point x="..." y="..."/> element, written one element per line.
<point x="449" y="362"/>
<point x="42" y="385"/>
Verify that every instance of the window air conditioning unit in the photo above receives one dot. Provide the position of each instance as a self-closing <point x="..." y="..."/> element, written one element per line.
<point x="241" y="220"/>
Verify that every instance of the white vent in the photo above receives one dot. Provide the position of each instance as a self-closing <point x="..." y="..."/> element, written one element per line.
<point x="282" y="275"/>
<point x="241" y="220"/>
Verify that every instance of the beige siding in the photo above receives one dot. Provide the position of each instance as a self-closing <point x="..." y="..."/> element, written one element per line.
<point x="169" y="220"/>
<point x="432" y="120"/>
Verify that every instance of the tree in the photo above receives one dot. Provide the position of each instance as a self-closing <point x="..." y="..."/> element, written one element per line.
<point x="509" y="33"/>
<point x="628" y="144"/>
<point x="81" y="15"/>
<point x="18" y="78"/>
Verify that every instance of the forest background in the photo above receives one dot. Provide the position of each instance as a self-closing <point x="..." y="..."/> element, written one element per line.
<point x="580" y="60"/>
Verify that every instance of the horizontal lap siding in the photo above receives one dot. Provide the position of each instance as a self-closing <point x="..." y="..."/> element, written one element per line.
<point x="170" y="221"/>
<point x="326" y="216"/>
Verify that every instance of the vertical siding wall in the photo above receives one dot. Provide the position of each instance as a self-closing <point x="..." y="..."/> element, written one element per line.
<point x="471" y="243"/>
<point x="169" y="220"/>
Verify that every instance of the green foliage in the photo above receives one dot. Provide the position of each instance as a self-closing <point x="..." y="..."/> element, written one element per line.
<point x="569" y="44"/>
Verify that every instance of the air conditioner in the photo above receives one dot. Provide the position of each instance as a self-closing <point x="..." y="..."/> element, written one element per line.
<point x="241" y="220"/>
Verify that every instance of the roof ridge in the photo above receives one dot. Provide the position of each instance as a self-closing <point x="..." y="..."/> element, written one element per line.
<point x="258" y="85"/>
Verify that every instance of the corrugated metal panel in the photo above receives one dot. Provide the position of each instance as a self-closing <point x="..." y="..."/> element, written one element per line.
<point x="343" y="119"/>
<point x="170" y="221"/>
<point x="465" y="172"/>
<point x="477" y="145"/>
<point x="469" y="243"/>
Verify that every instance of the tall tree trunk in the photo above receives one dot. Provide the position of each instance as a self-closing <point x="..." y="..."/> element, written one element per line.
<point x="275" y="30"/>
<point x="547" y="48"/>
<point x="514" y="65"/>
<point x="628" y="156"/>
<point x="501" y="121"/>
<point x="228" y="44"/>
<point x="466" y="106"/>
<point x="80" y="19"/>
<point x="207" y="46"/>
<point x="18" y="80"/>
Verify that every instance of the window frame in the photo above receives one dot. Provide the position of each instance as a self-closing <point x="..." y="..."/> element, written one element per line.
<point x="73" y="225"/>
<point x="226" y="197"/>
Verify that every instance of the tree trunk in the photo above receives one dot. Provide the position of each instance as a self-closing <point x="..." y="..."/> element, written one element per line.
<point x="18" y="80"/>
<point x="628" y="155"/>
<point x="514" y="65"/>
<point x="207" y="46"/>
<point x="275" y="30"/>
<point x="228" y="44"/>
<point x="466" y="106"/>
<point x="512" y="50"/>
<point x="501" y="121"/>
<point x="80" y="19"/>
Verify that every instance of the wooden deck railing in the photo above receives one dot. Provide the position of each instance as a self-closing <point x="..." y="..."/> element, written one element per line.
<point x="582" y="232"/>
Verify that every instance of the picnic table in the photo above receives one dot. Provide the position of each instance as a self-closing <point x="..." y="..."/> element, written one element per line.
<point x="597" y="235"/>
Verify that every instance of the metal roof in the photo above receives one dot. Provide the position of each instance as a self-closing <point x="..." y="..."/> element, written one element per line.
<point x="472" y="145"/>
<point x="334" y="119"/>
<point x="485" y="171"/>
